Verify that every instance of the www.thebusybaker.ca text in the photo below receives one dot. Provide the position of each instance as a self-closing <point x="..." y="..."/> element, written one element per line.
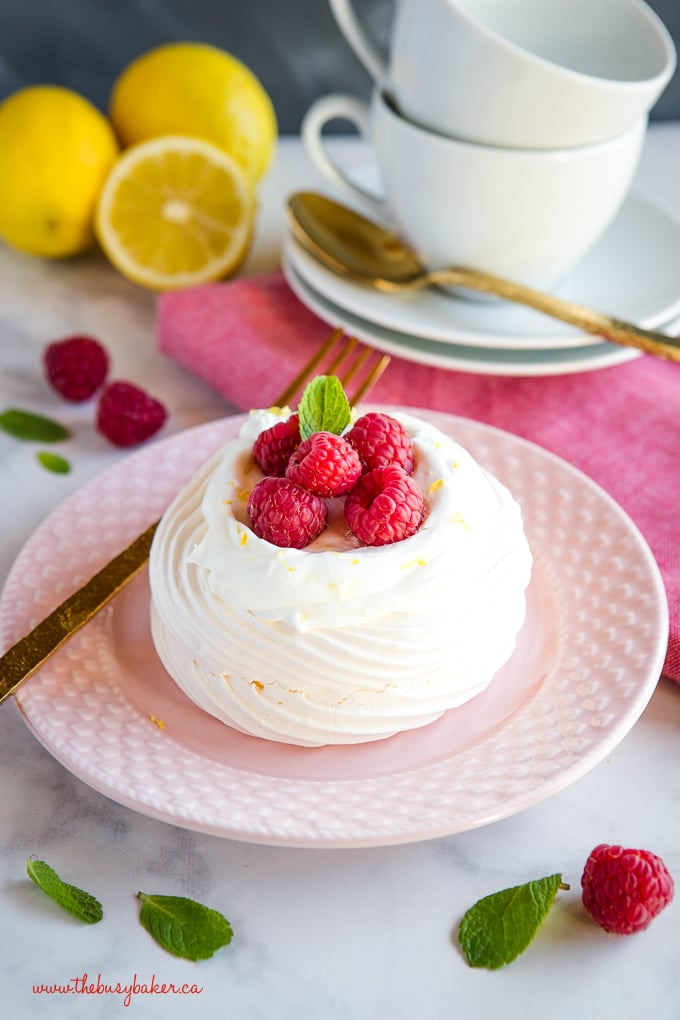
<point x="83" y="985"/>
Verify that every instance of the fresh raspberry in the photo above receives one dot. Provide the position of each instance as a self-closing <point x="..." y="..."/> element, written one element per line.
<point x="273" y="448"/>
<point x="325" y="464"/>
<point x="127" y="415"/>
<point x="381" y="440"/>
<point x="385" y="506"/>
<point x="76" y="366"/>
<point x="285" y="514"/>
<point x="624" y="890"/>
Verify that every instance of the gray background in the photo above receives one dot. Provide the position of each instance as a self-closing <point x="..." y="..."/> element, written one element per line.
<point x="293" y="46"/>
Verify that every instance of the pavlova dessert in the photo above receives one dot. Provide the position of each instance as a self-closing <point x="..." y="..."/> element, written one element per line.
<point x="324" y="580"/>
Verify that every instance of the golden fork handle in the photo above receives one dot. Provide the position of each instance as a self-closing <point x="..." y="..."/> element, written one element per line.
<point x="30" y="652"/>
<point x="620" y="332"/>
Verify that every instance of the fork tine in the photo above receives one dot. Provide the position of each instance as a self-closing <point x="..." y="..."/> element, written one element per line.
<point x="342" y="363"/>
<point x="370" y="380"/>
<point x="306" y="373"/>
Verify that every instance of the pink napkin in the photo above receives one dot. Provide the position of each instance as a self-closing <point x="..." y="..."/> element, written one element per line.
<point x="619" y="425"/>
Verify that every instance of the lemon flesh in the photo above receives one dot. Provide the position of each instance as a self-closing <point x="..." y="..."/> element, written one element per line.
<point x="175" y="212"/>
<point x="199" y="90"/>
<point x="56" y="150"/>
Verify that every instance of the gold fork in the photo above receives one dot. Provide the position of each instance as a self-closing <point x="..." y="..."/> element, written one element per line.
<point x="342" y="356"/>
<point x="339" y="355"/>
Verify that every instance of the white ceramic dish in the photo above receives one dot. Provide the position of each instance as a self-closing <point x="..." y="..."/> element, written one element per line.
<point x="586" y="663"/>
<point x="473" y="68"/>
<point x="631" y="272"/>
<point x="446" y="200"/>
<point x="461" y="357"/>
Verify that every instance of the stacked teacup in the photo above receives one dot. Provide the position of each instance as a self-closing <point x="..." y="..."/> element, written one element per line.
<point x="506" y="134"/>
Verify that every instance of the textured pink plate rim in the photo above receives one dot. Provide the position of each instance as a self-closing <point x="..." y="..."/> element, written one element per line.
<point x="586" y="664"/>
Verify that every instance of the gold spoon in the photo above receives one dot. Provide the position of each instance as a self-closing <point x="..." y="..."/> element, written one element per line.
<point x="363" y="251"/>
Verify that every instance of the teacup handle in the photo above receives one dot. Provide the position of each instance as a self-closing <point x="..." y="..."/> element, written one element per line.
<point x="341" y="107"/>
<point x="365" y="49"/>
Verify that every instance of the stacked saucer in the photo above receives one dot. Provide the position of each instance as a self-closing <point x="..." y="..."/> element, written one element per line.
<point x="438" y="328"/>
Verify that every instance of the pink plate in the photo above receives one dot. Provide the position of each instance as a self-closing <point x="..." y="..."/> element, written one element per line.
<point x="585" y="666"/>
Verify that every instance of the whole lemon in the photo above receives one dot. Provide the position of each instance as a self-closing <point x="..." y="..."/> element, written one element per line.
<point x="56" y="150"/>
<point x="194" y="89"/>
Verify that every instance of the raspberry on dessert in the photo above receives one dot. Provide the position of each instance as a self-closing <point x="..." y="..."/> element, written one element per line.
<point x="76" y="366"/>
<point x="325" y="464"/>
<point x="623" y="889"/>
<point x="126" y="415"/>
<point x="273" y="448"/>
<point x="381" y="440"/>
<point x="385" y="506"/>
<point x="285" y="514"/>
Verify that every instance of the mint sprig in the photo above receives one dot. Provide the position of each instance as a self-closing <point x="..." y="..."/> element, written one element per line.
<point x="32" y="427"/>
<point x="183" y="927"/>
<point x="323" y="407"/>
<point x="75" y="901"/>
<point x="499" y="927"/>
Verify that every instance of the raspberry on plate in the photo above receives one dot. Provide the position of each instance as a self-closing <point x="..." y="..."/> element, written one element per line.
<point x="76" y="366"/>
<point x="127" y="415"/>
<point x="380" y="440"/>
<point x="285" y="514"/>
<point x="385" y="506"/>
<point x="325" y="464"/>
<point x="273" y="448"/>
<point x="623" y="889"/>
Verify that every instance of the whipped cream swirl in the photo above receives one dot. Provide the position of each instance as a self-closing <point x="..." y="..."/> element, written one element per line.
<point x="338" y="642"/>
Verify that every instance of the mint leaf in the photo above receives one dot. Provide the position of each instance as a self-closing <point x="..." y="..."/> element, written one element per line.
<point x="53" y="462"/>
<point x="499" y="927"/>
<point x="183" y="927"/>
<point x="33" y="427"/>
<point x="323" y="407"/>
<point x="74" y="900"/>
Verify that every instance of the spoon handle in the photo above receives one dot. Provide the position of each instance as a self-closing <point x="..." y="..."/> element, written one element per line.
<point x="584" y="318"/>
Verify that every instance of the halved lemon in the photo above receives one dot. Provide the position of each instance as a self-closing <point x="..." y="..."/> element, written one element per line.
<point x="175" y="212"/>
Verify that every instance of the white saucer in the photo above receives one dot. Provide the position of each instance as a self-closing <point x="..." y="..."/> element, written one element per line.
<point x="461" y="357"/>
<point x="631" y="273"/>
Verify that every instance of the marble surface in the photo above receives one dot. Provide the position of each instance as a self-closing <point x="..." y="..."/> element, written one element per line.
<point x="353" y="934"/>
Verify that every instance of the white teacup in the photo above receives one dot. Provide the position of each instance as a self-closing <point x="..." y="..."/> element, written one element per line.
<point x="523" y="73"/>
<point x="528" y="214"/>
